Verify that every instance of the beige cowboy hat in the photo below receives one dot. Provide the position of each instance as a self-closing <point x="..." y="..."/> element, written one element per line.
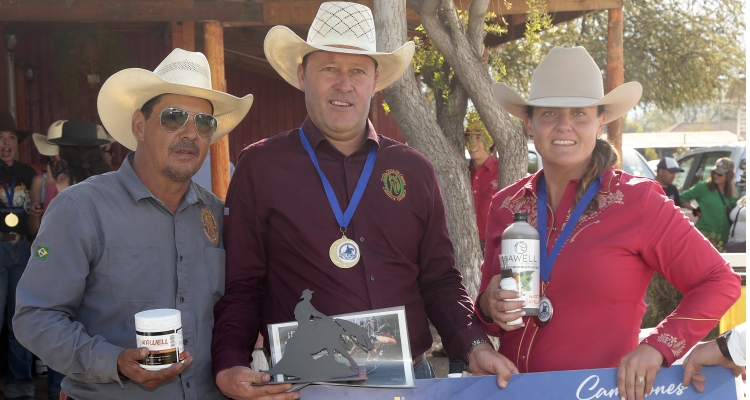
<point x="45" y="144"/>
<point x="182" y="72"/>
<point x="337" y="24"/>
<point x="569" y="77"/>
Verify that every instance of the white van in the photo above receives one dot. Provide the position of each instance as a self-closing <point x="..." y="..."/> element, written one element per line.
<point x="632" y="162"/>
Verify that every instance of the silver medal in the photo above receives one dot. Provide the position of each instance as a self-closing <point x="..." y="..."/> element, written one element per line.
<point x="545" y="311"/>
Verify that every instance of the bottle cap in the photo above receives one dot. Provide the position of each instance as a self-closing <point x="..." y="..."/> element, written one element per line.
<point x="520" y="216"/>
<point x="506" y="273"/>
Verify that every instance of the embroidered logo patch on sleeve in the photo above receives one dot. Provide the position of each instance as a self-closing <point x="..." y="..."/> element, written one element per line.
<point x="394" y="184"/>
<point x="41" y="252"/>
<point x="209" y="225"/>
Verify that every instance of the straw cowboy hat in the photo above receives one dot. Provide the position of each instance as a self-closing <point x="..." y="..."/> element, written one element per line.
<point x="8" y="124"/>
<point x="569" y="77"/>
<point x="182" y="72"/>
<point x="46" y="144"/>
<point x="336" y="24"/>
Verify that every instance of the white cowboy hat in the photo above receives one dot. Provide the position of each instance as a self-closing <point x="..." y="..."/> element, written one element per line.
<point x="336" y="24"/>
<point x="182" y="72"/>
<point x="569" y="77"/>
<point x="55" y="130"/>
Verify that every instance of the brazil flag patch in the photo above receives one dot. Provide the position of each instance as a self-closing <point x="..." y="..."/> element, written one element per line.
<point x="42" y="252"/>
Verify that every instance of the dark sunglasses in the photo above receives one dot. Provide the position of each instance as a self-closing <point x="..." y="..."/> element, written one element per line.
<point x="173" y="119"/>
<point x="717" y="174"/>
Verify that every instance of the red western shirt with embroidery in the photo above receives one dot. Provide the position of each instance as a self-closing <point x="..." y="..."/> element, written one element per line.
<point x="598" y="283"/>
<point x="281" y="226"/>
<point x="483" y="186"/>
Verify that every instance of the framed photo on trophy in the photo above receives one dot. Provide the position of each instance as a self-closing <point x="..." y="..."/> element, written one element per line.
<point x="387" y="364"/>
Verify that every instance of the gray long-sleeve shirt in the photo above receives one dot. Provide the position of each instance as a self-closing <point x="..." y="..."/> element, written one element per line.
<point x="106" y="250"/>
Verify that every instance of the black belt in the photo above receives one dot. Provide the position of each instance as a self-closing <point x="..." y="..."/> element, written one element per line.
<point x="13" y="237"/>
<point x="416" y="361"/>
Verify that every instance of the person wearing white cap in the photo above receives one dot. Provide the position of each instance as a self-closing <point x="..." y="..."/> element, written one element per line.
<point x="602" y="235"/>
<point x="144" y="237"/>
<point x="284" y="234"/>
<point x="666" y="170"/>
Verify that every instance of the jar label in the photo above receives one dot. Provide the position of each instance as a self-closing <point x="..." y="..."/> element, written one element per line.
<point x="522" y="256"/>
<point x="166" y="347"/>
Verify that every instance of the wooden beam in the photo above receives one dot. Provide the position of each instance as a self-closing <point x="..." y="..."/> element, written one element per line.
<point x="520" y="7"/>
<point x="615" y="71"/>
<point x="230" y="12"/>
<point x="213" y="39"/>
<point x="134" y="10"/>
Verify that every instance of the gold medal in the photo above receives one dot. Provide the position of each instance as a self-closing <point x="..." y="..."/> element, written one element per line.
<point x="12" y="220"/>
<point x="344" y="253"/>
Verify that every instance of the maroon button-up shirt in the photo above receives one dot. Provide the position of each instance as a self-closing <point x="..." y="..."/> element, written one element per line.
<point x="281" y="226"/>
<point x="483" y="187"/>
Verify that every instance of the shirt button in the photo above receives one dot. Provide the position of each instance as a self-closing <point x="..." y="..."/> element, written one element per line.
<point x="182" y="299"/>
<point x="180" y="258"/>
<point x="475" y="191"/>
<point x="362" y="239"/>
<point x="523" y="357"/>
<point x="187" y="384"/>
<point x="372" y="277"/>
<point x="184" y="342"/>
<point x="348" y="159"/>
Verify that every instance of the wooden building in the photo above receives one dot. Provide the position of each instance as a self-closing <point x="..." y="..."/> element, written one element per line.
<point x="145" y="31"/>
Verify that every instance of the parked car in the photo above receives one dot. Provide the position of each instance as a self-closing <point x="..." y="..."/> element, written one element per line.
<point x="632" y="162"/>
<point x="698" y="164"/>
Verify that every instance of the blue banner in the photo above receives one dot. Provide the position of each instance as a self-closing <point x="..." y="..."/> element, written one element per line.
<point x="579" y="385"/>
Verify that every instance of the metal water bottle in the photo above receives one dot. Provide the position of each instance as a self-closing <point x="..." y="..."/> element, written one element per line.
<point x="520" y="253"/>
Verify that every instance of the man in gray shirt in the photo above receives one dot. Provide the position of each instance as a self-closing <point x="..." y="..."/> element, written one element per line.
<point x="144" y="237"/>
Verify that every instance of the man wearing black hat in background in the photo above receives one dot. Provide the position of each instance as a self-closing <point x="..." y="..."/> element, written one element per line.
<point x="666" y="170"/>
<point x="14" y="206"/>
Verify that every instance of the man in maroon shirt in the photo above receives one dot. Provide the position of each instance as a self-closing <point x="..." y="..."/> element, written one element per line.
<point x="281" y="222"/>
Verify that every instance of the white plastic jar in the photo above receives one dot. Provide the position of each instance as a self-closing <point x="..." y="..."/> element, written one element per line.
<point x="160" y="331"/>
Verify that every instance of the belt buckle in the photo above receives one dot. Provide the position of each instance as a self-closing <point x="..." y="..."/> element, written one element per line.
<point x="17" y="237"/>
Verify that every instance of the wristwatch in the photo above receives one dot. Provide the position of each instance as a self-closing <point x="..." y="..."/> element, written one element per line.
<point x="722" y="342"/>
<point x="474" y="344"/>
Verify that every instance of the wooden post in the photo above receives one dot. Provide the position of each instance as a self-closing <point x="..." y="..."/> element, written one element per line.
<point x="22" y="116"/>
<point x="214" y="49"/>
<point x="183" y="35"/>
<point x="615" y="71"/>
<point x="373" y="115"/>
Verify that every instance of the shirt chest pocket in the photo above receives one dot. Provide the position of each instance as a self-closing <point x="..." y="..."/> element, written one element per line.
<point x="215" y="267"/>
<point x="131" y="271"/>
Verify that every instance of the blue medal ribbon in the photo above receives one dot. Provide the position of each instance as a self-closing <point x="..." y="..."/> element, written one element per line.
<point x="10" y="192"/>
<point x="548" y="261"/>
<point x="343" y="218"/>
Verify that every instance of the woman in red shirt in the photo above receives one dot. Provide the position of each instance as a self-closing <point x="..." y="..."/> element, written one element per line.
<point x="624" y="230"/>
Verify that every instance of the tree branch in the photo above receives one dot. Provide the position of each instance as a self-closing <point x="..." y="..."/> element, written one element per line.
<point x="424" y="134"/>
<point x="442" y="24"/>
<point x="475" y="32"/>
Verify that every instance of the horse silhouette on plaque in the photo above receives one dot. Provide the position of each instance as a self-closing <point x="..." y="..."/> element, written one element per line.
<point x="310" y="355"/>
